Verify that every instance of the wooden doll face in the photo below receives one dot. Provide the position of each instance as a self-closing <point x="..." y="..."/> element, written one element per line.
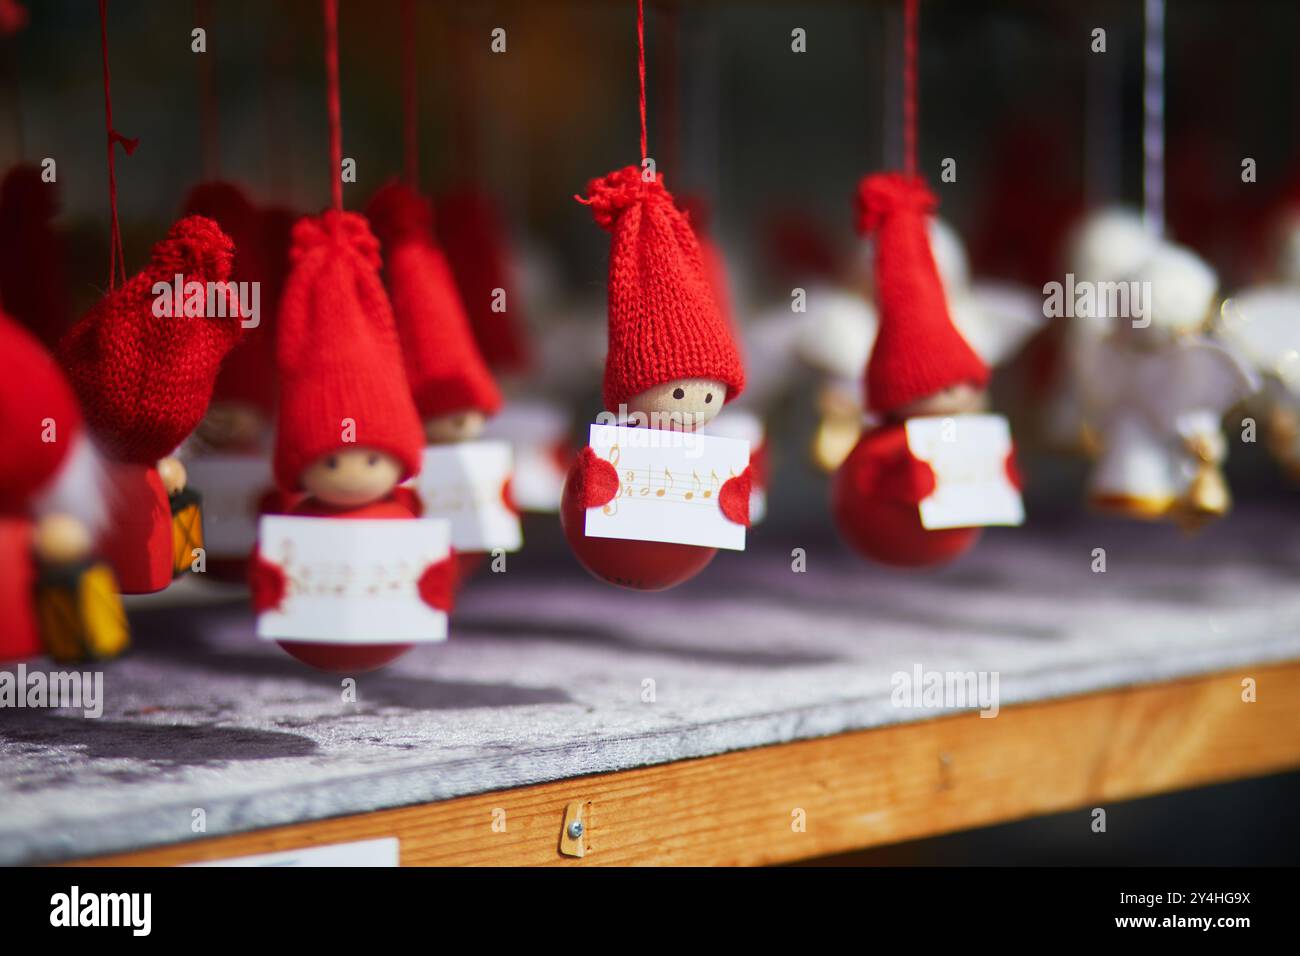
<point x="958" y="400"/>
<point x="682" y="405"/>
<point x="463" y="425"/>
<point x="231" y="425"/>
<point x="352" y="477"/>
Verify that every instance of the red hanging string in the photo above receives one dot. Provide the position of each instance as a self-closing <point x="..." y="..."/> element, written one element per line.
<point x="332" y="93"/>
<point x="910" y="10"/>
<point x="640" y="65"/>
<point x="410" y="106"/>
<point x="116" y="257"/>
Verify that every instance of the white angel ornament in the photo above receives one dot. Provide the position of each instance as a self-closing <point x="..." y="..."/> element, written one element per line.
<point x="1155" y="391"/>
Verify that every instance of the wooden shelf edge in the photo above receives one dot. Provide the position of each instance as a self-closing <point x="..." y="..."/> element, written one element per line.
<point x="849" y="791"/>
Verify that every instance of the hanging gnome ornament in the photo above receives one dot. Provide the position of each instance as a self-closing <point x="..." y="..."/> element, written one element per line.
<point x="143" y="366"/>
<point x="351" y="578"/>
<point x="918" y="486"/>
<point x="55" y="596"/>
<point x="463" y="479"/>
<point x="649" y="501"/>
<point x="142" y="362"/>
<point x="1156" y="392"/>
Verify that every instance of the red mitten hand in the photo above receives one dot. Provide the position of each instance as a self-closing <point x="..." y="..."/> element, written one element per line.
<point x="410" y="498"/>
<point x="266" y="583"/>
<point x="1013" y="471"/>
<point x="597" y="479"/>
<point x="437" y="585"/>
<point x="733" y="499"/>
<point x="908" y="480"/>
<point x="508" y="496"/>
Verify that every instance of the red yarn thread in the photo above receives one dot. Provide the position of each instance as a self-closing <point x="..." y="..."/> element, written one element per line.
<point x="332" y="94"/>
<point x="116" y="257"/>
<point x="910" y="12"/>
<point x="640" y="66"/>
<point x="410" y="106"/>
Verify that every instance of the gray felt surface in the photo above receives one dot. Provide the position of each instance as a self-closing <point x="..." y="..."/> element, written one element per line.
<point x="543" y="676"/>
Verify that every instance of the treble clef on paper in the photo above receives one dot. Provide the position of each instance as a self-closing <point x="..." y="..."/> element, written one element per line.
<point x="614" y="455"/>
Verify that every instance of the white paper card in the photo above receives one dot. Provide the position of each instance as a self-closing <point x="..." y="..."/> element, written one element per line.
<point x="668" y="486"/>
<point x="353" y="581"/>
<point x="232" y="487"/>
<point x="538" y="431"/>
<point x="968" y="454"/>
<point x="464" y="483"/>
<point x="382" y="852"/>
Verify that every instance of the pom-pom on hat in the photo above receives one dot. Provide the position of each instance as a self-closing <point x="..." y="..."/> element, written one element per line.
<point x="664" y="320"/>
<point x="445" y="370"/>
<point x="145" y="380"/>
<point x="918" y="351"/>
<point x="337" y="353"/>
<point x="38" y="417"/>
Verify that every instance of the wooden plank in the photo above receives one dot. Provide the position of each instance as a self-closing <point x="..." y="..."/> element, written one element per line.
<point x="853" y="790"/>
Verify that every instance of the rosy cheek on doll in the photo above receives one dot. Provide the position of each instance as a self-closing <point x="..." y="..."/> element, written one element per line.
<point x="352" y="477"/>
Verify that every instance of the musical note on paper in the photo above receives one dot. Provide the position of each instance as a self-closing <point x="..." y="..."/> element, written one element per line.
<point x="462" y="482"/>
<point x="667" y="484"/>
<point x="668" y="491"/>
<point x="353" y="581"/>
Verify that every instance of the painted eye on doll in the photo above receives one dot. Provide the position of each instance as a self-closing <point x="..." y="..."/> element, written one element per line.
<point x="372" y="460"/>
<point x="679" y="393"/>
<point x="332" y="464"/>
<point x="708" y="398"/>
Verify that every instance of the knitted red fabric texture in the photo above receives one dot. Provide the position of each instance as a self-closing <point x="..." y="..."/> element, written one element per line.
<point x="664" y="321"/>
<point x="699" y="215"/>
<point x="474" y="239"/>
<point x="443" y="364"/>
<point x="340" y="366"/>
<point x="144" y="380"/>
<point x="248" y="373"/>
<point x="39" y="418"/>
<point x="32" y="284"/>
<point x="918" y="351"/>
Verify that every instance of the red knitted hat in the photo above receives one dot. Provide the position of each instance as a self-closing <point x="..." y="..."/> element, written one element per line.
<point x="664" y="321"/>
<point x="144" y="380"/>
<point x="698" y="213"/>
<point x="443" y="365"/>
<point x="337" y="352"/>
<point x="918" y="351"/>
<point x="474" y="239"/>
<point x="33" y="397"/>
<point x="32" y="284"/>
<point x="248" y="373"/>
